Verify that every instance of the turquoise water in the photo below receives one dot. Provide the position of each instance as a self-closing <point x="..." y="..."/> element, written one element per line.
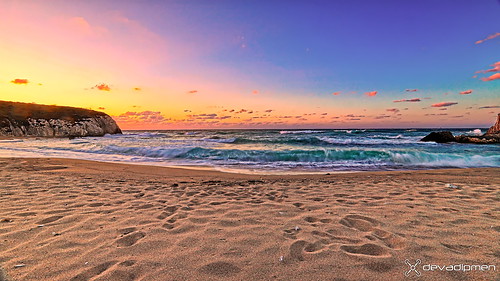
<point x="269" y="150"/>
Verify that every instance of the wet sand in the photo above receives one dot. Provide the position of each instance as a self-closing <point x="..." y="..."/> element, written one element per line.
<point x="66" y="219"/>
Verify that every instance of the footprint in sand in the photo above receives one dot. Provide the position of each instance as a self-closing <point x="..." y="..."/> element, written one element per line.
<point x="367" y="224"/>
<point x="130" y="239"/>
<point x="93" y="272"/>
<point x="367" y="249"/>
<point x="359" y="222"/>
<point x="220" y="268"/>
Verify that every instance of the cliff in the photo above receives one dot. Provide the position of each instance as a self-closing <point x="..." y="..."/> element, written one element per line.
<point x="27" y="119"/>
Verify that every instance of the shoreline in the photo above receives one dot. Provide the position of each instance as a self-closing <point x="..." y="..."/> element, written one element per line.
<point x="212" y="171"/>
<point x="65" y="219"/>
<point x="247" y="171"/>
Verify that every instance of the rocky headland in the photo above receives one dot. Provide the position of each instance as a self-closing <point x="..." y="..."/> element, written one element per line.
<point x="490" y="137"/>
<point x="36" y="120"/>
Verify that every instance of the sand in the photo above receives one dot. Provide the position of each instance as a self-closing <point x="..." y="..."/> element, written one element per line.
<point x="80" y="220"/>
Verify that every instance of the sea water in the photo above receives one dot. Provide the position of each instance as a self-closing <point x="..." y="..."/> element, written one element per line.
<point x="275" y="151"/>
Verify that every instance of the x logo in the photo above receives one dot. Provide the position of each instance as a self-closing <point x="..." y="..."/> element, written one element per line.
<point x="413" y="267"/>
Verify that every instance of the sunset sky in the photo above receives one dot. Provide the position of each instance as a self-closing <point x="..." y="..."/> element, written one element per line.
<point x="257" y="64"/>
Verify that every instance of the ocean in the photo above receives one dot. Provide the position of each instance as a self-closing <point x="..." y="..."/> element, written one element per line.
<point x="268" y="151"/>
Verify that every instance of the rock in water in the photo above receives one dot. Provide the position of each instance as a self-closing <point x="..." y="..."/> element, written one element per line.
<point x="495" y="129"/>
<point x="440" y="137"/>
<point x="27" y="119"/>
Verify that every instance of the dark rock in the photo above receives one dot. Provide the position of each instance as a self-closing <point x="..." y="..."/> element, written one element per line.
<point x="440" y="137"/>
<point x="478" y="139"/>
<point x="27" y="119"/>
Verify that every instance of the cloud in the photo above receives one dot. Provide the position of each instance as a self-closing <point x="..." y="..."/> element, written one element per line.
<point x="132" y="117"/>
<point x="411" y="90"/>
<point x="136" y="89"/>
<point x="19" y="81"/>
<point x="408" y="100"/>
<point x="192" y="92"/>
<point x="488" y="38"/>
<point x="492" y="77"/>
<point x="393" y="110"/>
<point x="101" y="108"/>
<point x="336" y="93"/>
<point x="102" y="87"/>
<point x="268" y="111"/>
<point x="466" y="92"/>
<point x="255" y="92"/>
<point x="496" y="67"/>
<point x="489" y="106"/>
<point x="371" y="94"/>
<point x="443" y="104"/>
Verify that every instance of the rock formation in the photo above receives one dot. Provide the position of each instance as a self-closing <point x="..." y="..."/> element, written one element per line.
<point x="495" y="129"/>
<point x="491" y="136"/>
<point x="27" y="119"/>
<point x="439" y="137"/>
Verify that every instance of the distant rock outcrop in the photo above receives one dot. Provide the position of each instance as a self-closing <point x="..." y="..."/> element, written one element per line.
<point x="495" y="129"/>
<point x="439" y="137"/>
<point x="491" y="136"/>
<point x="27" y="119"/>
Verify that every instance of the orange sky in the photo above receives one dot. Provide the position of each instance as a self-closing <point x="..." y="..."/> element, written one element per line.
<point x="116" y="60"/>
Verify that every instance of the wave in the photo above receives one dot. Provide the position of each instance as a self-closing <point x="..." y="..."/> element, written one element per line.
<point x="301" y="132"/>
<point x="383" y="157"/>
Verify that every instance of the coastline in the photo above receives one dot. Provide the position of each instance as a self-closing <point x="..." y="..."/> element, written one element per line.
<point x="80" y="219"/>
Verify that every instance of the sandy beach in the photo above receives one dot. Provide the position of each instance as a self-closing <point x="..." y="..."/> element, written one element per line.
<point x="64" y="219"/>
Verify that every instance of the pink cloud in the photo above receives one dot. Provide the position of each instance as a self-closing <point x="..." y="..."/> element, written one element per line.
<point x="492" y="77"/>
<point x="371" y="94"/>
<point x="255" y="92"/>
<point x="102" y="87"/>
<point x="408" y="100"/>
<point x="336" y="93"/>
<point x="19" y="81"/>
<point x="496" y="67"/>
<point x="393" y="110"/>
<point x="192" y="92"/>
<point x="411" y="90"/>
<point x="488" y="38"/>
<point x="466" y="92"/>
<point x="443" y="104"/>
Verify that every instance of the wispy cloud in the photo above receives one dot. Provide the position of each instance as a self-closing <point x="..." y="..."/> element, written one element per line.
<point x="411" y="90"/>
<point x="443" y="104"/>
<point x="492" y="77"/>
<point x="336" y="93"/>
<point x="496" y="67"/>
<point x="488" y="38"/>
<point x="408" y="100"/>
<point x="19" y="81"/>
<point x="148" y="117"/>
<point x="489" y="106"/>
<point x="192" y="92"/>
<point x="466" y="92"/>
<point x="393" y="110"/>
<point x="371" y="94"/>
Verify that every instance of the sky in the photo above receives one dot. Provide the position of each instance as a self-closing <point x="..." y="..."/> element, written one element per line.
<point x="257" y="64"/>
